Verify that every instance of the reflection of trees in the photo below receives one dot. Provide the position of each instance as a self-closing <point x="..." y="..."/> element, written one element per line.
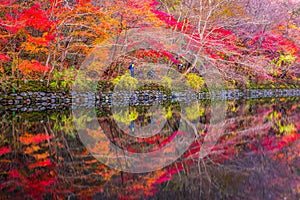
<point x="126" y="116"/>
<point x="194" y="112"/>
<point x="252" y="160"/>
<point x="255" y="158"/>
<point x="28" y="170"/>
<point x="124" y="140"/>
<point x="45" y="161"/>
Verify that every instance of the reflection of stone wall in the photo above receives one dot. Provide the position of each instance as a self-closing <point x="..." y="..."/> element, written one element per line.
<point x="38" y="101"/>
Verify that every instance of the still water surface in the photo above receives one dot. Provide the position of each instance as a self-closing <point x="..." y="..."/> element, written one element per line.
<point x="256" y="156"/>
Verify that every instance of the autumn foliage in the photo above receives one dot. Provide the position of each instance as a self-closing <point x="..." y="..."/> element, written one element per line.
<point x="42" y="36"/>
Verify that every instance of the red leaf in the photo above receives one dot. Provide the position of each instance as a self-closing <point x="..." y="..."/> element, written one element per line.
<point x="44" y="163"/>
<point x="36" y="18"/>
<point x="6" y="2"/>
<point x="4" y="150"/>
<point x="14" y="173"/>
<point x="163" y="179"/>
<point x="4" y="58"/>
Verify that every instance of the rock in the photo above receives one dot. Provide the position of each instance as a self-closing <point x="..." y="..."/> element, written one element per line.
<point x="23" y="94"/>
<point x="19" y="97"/>
<point x="42" y="93"/>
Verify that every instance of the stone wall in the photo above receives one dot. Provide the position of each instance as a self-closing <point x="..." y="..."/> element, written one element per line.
<point x="39" y="101"/>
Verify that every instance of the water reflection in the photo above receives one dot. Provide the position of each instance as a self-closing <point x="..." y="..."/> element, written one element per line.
<point x="257" y="156"/>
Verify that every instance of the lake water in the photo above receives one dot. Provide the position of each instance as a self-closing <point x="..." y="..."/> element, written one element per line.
<point x="50" y="154"/>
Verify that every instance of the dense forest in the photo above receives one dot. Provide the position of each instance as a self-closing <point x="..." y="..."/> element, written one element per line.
<point x="248" y="41"/>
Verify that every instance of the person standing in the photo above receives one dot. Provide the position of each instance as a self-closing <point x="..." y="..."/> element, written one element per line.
<point x="131" y="69"/>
